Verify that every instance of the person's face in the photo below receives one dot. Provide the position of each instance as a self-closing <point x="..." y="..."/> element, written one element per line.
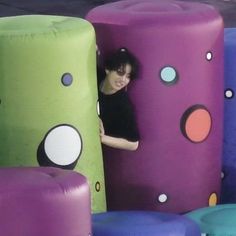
<point x="120" y="78"/>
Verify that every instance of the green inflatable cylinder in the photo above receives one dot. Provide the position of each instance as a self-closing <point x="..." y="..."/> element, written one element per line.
<point x="48" y="97"/>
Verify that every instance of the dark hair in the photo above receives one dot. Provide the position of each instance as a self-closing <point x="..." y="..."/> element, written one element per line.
<point x="120" y="59"/>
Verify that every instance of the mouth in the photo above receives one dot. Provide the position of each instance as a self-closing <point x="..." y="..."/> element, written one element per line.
<point x="118" y="84"/>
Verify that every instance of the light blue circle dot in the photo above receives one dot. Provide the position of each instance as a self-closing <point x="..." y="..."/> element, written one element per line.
<point x="168" y="74"/>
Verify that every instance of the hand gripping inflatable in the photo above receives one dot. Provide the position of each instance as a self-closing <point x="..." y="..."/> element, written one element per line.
<point x="178" y="101"/>
<point x="48" y="95"/>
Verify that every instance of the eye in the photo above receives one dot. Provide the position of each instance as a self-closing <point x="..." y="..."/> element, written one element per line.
<point x="120" y="72"/>
<point x="128" y="76"/>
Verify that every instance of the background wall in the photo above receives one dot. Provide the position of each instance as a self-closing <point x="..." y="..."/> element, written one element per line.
<point x="80" y="7"/>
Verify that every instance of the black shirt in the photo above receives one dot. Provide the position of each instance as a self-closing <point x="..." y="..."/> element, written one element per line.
<point x="117" y="115"/>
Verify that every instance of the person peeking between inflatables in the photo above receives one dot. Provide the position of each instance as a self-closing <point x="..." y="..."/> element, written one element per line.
<point x="118" y="127"/>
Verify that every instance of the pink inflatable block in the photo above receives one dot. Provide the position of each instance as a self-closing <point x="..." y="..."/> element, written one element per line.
<point x="44" y="202"/>
<point x="178" y="100"/>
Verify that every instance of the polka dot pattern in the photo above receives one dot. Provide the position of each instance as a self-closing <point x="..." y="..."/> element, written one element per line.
<point x="209" y="56"/>
<point x="212" y="199"/>
<point x="196" y="123"/>
<point x="67" y="79"/>
<point x="168" y="75"/>
<point x="162" y="198"/>
<point x="229" y="93"/>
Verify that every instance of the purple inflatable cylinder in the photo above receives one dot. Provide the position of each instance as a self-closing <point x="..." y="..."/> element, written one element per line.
<point x="44" y="201"/>
<point x="178" y="101"/>
<point x="142" y="223"/>
<point x="229" y="149"/>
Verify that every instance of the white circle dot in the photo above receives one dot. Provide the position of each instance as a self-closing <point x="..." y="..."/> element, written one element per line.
<point x="209" y="56"/>
<point x="98" y="108"/>
<point x="222" y="175"/>
<point x="63" y="145"/>
<point x="162" y="198"/>
<point x="229" y="93"/>
<point x="97" y="50"/>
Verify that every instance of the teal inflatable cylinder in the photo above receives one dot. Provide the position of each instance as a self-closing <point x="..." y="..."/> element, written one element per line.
<point x="48" y="95"/>
<point x="215" y="221"/>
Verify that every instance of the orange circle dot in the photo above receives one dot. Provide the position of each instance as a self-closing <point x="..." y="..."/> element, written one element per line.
<point x="198" y="125"/>
<point x="212" y="199"/>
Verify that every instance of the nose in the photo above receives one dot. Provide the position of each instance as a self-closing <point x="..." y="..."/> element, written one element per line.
<point x="124" y="77"/>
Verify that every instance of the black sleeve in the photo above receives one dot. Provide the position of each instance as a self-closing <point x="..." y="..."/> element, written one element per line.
<point x="130" y="131"/>
<point x="100" y="75"/>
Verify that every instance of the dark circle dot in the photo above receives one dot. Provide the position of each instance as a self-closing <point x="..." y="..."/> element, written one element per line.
<point x="98" y="186"/>
<point x="67" y="79"/>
